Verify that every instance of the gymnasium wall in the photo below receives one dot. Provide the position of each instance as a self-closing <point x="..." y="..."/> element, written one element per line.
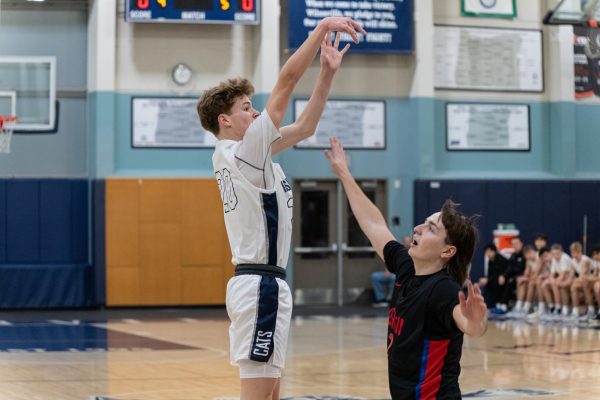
<point x="116" y="61"/>
<point x="62" y="33"/>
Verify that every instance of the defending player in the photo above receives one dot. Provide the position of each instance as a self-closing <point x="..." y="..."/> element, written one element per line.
<point x="428" y="313"/>
<point x="257" y="201"/>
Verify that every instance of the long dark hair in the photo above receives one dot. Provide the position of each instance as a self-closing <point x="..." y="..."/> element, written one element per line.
<point x="462" y="233"/>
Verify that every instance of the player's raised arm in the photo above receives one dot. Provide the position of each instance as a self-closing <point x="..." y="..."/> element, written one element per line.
<point x="369" y="217"/>
<point x="306" y="124"/>
<point x="299" y="62"/>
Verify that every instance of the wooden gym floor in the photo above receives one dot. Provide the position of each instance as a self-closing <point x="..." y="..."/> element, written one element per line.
<point x="184" y="355"/>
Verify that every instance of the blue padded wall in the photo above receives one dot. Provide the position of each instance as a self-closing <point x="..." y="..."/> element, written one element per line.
<point x="44" y="244"/>
<point x="555" y="208"/>
<point x="79" y="222"/>
<point x="22" y="221"/>
<point x="2" y="222"/>
<point x="55" y="221"/>
<point x="99" y="239"/>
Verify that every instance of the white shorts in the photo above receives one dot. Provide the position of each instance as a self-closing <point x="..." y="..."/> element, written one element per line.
<point x="260" y="310"/>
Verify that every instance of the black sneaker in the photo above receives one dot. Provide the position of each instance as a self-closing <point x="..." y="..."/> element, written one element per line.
<point x="595" y="320"/>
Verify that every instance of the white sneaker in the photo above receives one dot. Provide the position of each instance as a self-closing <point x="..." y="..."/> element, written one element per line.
<point x="587" y="316"/>
<point x="534" y="316"/>
<point x="547" y="317"/>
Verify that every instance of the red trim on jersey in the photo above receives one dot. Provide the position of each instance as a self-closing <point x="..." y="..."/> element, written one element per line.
<point x="433" y="370"/>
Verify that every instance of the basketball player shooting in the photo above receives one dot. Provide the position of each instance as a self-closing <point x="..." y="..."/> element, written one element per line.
<point x="429" y="312"/>
<point x="257" y="201"/>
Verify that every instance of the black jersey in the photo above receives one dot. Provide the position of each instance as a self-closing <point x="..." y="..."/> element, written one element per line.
<point x="424" y="344"/>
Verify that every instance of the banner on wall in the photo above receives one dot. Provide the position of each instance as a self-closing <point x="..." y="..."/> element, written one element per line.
<point x="389" y="23"/>
<point x="586" y="48"/>
<point x="489" y="8"/>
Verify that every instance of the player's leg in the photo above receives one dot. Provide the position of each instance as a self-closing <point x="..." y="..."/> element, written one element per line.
<point x="565" y="296"/>
<point x="576" y="290"/>
<point x="276" y="390"/>
<point x="556" y="292"/>
<point x="519" y="309"/>
<point x="551" y="297"/>
<point x="258" y="388"/>
<point x="596" y="290"/>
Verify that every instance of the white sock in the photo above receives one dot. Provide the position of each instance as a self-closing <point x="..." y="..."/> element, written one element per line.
<point x="526" y="306"/>
<point x="591" y="310"/>
<point x="575" y="311"/>
<point x="565" y="310"/>
<point x="541" y="307"/>
<point x="519" y="305"/>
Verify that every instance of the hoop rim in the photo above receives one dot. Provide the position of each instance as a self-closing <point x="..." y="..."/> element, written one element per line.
<point x="8" y="118"/>
<point x="7" y="122"/>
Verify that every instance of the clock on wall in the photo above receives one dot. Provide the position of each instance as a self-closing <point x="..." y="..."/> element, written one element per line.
<point x="181" y="74"/>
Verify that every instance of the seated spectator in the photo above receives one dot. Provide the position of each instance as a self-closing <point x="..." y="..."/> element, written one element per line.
<point x="561" y="278"/>
<point x="540" y="241"/>
<point x="541" y="273"/>
<point x="594" y="281"/>
<point x="522" y="282"/>
<point x="516" y="267"/>
<point x="582" y="269"/>
<point x="497" y="266"/>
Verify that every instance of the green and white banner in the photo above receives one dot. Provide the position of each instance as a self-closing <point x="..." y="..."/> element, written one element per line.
<point x="489" y="8"/>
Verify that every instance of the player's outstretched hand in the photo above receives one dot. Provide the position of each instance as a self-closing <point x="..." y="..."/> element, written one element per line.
<point x="343" y="24"/>
<point x="331" y="56"/>
<point x="337" y="157"/>
<point x="473" y="307"/>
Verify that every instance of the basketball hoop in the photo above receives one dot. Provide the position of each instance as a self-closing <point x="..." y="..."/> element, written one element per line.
<point x="7" y="125"/>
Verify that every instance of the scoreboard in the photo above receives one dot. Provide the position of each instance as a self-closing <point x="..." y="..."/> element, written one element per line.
<point x="194" y="11"/>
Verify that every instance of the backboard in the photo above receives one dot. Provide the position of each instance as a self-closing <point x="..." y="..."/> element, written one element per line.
<point x="574" y="12"/>
<point x="28" y="90"/>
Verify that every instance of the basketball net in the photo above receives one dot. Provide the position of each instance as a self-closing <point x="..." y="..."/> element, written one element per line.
<point x="7" y="125"/>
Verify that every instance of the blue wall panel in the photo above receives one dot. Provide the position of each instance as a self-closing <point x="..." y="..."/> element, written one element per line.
<point x="2" y="221"/>
<point x="500" y="203"/>
<point x="79" y="221"/>
<point x="98" y="239"/>
<point x="421" y="201"/>
<point x="528" y="209"/>
<point x="55" y="221"/>
<point x="585" y="201"/>
<point x="555" y="203"/>
<point x="23" y="223"/>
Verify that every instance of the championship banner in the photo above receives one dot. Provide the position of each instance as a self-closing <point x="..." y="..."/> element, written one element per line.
<point x="489" y="8"/>
<point x="389" y="23"/>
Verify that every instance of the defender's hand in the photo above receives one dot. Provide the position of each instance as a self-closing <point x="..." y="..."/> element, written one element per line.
<point x="337" y="157"/>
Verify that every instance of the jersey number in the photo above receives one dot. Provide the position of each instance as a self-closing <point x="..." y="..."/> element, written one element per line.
<point x="228" y="195"/>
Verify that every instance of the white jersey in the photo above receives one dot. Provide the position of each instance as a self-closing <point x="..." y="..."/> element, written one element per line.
<point x="564" y="265"/>
<point x="259" y="227"/>
<point x="532" y="265"/>
<point x="578" y="265"/>
<point x="258" y="221"/>
<point x="595" y="268"/>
